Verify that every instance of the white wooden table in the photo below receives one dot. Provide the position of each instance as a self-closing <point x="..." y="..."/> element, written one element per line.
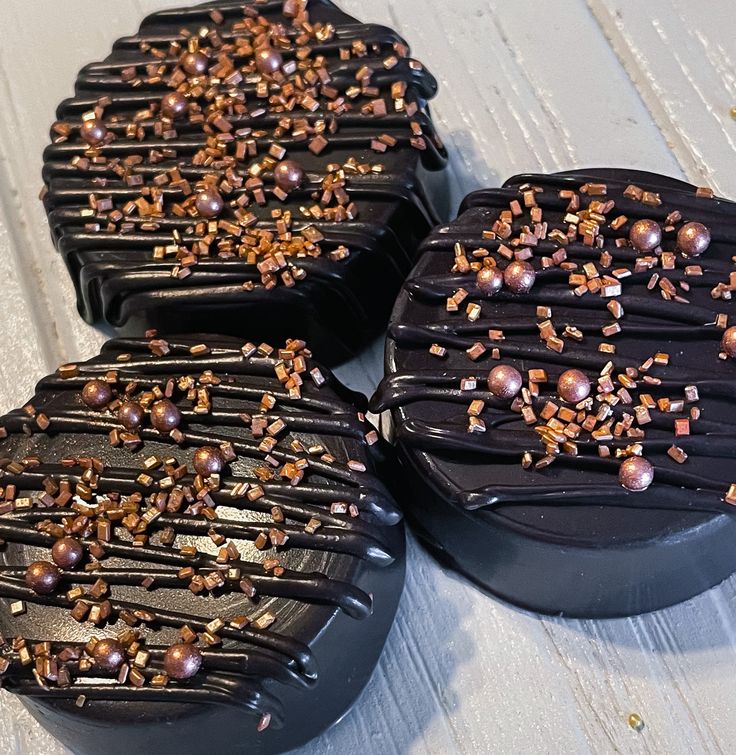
<point x="526" y="86"/>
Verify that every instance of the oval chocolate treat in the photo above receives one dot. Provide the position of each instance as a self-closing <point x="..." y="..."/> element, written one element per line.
<point x="599" y="484"/>
<point x="158" y="603"/>
<point x="234" y="168"/>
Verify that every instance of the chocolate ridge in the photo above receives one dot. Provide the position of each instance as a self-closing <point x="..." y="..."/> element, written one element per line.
<point x="115" y="274"/>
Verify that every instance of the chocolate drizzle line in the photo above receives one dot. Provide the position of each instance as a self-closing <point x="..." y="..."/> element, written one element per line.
<point x="338" y="508"/>
<point x="122" y="208"/>
<point x="426" y="396"/>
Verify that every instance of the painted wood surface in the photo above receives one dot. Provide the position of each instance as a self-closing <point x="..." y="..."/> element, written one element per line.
<point x="525" y="86"/>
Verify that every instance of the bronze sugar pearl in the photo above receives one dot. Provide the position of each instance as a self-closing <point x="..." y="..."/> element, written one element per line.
<point x="174" y="105"/>
<point x="43" y="577"/>
<point x="636" y="474"/>
<point x="165" y="416"/>
<point x="489" y="280"/>
<point x="693" y="239"/>
<point x="645" y="235"/>
<point x="67" y="552"/>
<point x="573" y="386"/>
<point x="207" y="461"/>
<point x="209" y="203"/>
<point x="519" y="277"/>
<point x="93" y="132"/>
<point x="194" y="63"/>
<point x="182" y="661"/>
<point x="504" y="381"/>
<point x="268" y="60"/>
<point x="130" y="415"/>
<point x="109" y="655"/>
<point x="288" y="175"/>
<point x="728" y="342"/>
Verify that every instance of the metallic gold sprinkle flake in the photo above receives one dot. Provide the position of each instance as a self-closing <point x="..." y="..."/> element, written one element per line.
<point x="545" y="461"/>
<point x="264" y="621"/>
<point x="676" y="453"/>
<point x="439" y="351"/>
<point x="473" y="311"/>
<point x="476" y="351"/>
<point x="682" y="427"/>
<point x="476" y="408"/>
<point x="476" y="425"/>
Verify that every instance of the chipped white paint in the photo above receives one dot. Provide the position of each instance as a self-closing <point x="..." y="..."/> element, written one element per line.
<point x="525" y="86"/>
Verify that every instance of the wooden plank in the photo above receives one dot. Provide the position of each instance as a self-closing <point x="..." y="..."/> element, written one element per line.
<point x="680" y="55"/>
<point x="22" y="343"/>
<point x="512" y="100"/>
<point x="532" y="684"/>
<point x="31" y="93"/>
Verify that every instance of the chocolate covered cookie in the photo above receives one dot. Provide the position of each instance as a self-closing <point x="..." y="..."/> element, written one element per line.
<point x="561" y="381"/>
<point x="238" y="167"/>
<point x="197" y="552"/>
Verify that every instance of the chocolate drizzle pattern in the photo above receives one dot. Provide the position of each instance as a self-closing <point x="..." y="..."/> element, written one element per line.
<point x="220" y="562"/>
<point x="663" y="350"/>
<point x="346" y="113"/>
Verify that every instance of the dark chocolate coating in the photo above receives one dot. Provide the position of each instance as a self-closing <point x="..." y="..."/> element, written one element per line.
<point x="568" y="539"/>
<point x="341" y="304"/>
<point x="334" y="603"/>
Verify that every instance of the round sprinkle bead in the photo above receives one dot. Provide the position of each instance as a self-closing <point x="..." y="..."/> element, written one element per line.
<point x="130" y="415"/>
<point x="573" y="386"/>
<point x="209" y="203"/>
<point x="288" y="175"/>
<point x="93" y="132"/>
<point x="165" y="416"/>
<point x="636" y="474"/>
<point x="43" y="577"/>
<point x="195" y="63"/>
<point x="728" y="342"/>
<point x="67" y="552"/>
<point x="174" y="105"/>
<point x="268" y="60"/>
<point x="182" y="661"/>
<point x="519" y="277"/>
<point x="693" y="239"/>
<point x="645" y="235"/>
<point x="504" y="381"/>
<point x="207" y="461"/>
<point x="97" y="394"/>
<point x="109" y="655"/>
<point x="489" y="281"/>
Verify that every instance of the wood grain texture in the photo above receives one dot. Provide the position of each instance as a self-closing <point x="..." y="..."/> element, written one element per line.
<point x="683" y="64"/>
<point x="525" y="86"/>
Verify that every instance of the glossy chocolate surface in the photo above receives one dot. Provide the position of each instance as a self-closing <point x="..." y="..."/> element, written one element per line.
<point x="564" y="535"/>
<point x="295" y="551"/>
<point x="142" y="256"/>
